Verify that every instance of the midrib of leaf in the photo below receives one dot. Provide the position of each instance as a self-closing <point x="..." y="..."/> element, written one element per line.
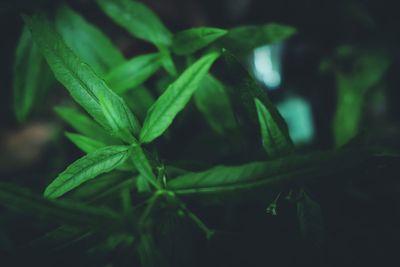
<point x="91" y="166"/>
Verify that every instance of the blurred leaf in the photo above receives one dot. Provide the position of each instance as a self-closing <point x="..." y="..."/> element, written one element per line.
<point x="88" y="167"/>
<point x="174" y="99"/>
<point x="138" y="20"/>
<point x="274" y="141"/>
<point x="81" y="81"/>
<point x="366" y="69"/>
<point x="31" y="76"/>
<point x="87" y="41"/>
<point x="243" y="91"/>
<point x="191" y="40"/>
<point x="85" y="125"/>
<point x="310" y="219"/>
<point x="133" y="73"/>
<point x="84" y="143"/>
<point x="213" y="102"/>
<point x="21" y="200"/>
<point x="242" y="40"/>
<point x="139" y="101"/>
<point x="168" y="63"/>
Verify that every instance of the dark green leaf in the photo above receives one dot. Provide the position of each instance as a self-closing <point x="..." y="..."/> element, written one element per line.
<point x="84" y="143"/>
<point x="243" y="91"/>
<point x="139" y="100"/>
<point x="88" y="167"/>
<point x="213" y="102"/>
<point x="138" y="20"/>
<point x="31" y="76"/>
<point x="81" y="81"/>
<point x="242" y="40"/>
<point x="275" y="142"/>
<point x="191" y="40"/>
<point x="175" y="98"/>
<point x="278" y="174"/>
<point x="21" y="200"/>
<point x="87" y="41"/>
<point x="133" y="73"/>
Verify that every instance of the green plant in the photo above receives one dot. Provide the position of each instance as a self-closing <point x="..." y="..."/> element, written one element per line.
<point x="136" y="175"/>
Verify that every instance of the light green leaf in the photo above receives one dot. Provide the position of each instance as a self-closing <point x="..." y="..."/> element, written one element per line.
<point x="212" y="101"/>
<point x="138" y="20"/>
<point x="86" y="168"/>
<point x="191" y="40"/>
<point x="275" y="142"/>
<point x="242" y="40"/>
<point x="133" y="73"/>
<point x="84" y="143"/>
<point x="66" y="212"/>
<point x="81" y="81"/>
<point x="31" y="76"/>
<point x="143" y="165"/>
<point x="85" y="125"/>
<point x="175" y="98"/>
<point x="87" y="41"/>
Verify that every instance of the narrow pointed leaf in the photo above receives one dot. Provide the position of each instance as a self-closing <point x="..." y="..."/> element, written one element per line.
<point x="274" y="141"/>
<point x="85" y="125"/>
<point x="87" y="41"/>
<point x="85" y="86"/>
<point x="87" y="168"/>
<point x="191" y="40"/>
<point x="139" y="100"/>
<point x="121" y="120"/>
<point x="31" y="76"/>
<point x="279" y="174"/>
<point x="143" y="165"/>
<point x="84" y="143"/>
<point x="133" y="73"/>
<point x="66" y="212"/>
<point x="213" y="102"/>
<point x="175" y="98"/>
<point x="138" y="20"/>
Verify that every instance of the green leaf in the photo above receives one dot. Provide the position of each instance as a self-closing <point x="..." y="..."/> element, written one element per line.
<point x="133" y="73"/>
<point x="31" y="76"/>
<point x="138" y="20"/>
<point x="86" y="168"/>
<point x="121" y="120"/>
<point x="174" y="99"/>
<point x="242" y="40"/>
<point x="256" y="178"/>
<point x="191" y="40"/>
<point x="213" y="102"/>
<point x="275" y="142"/>
<point x="243" y="90"/>
<point x="87" y="41"/>
<point x="168" y="63"/>
<point x="84" y="143"/>
<point x="85" y="125"/>
<point x="81" y="81"/>
<point x="143" y="165"/>
<point x="61" y="211"/>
